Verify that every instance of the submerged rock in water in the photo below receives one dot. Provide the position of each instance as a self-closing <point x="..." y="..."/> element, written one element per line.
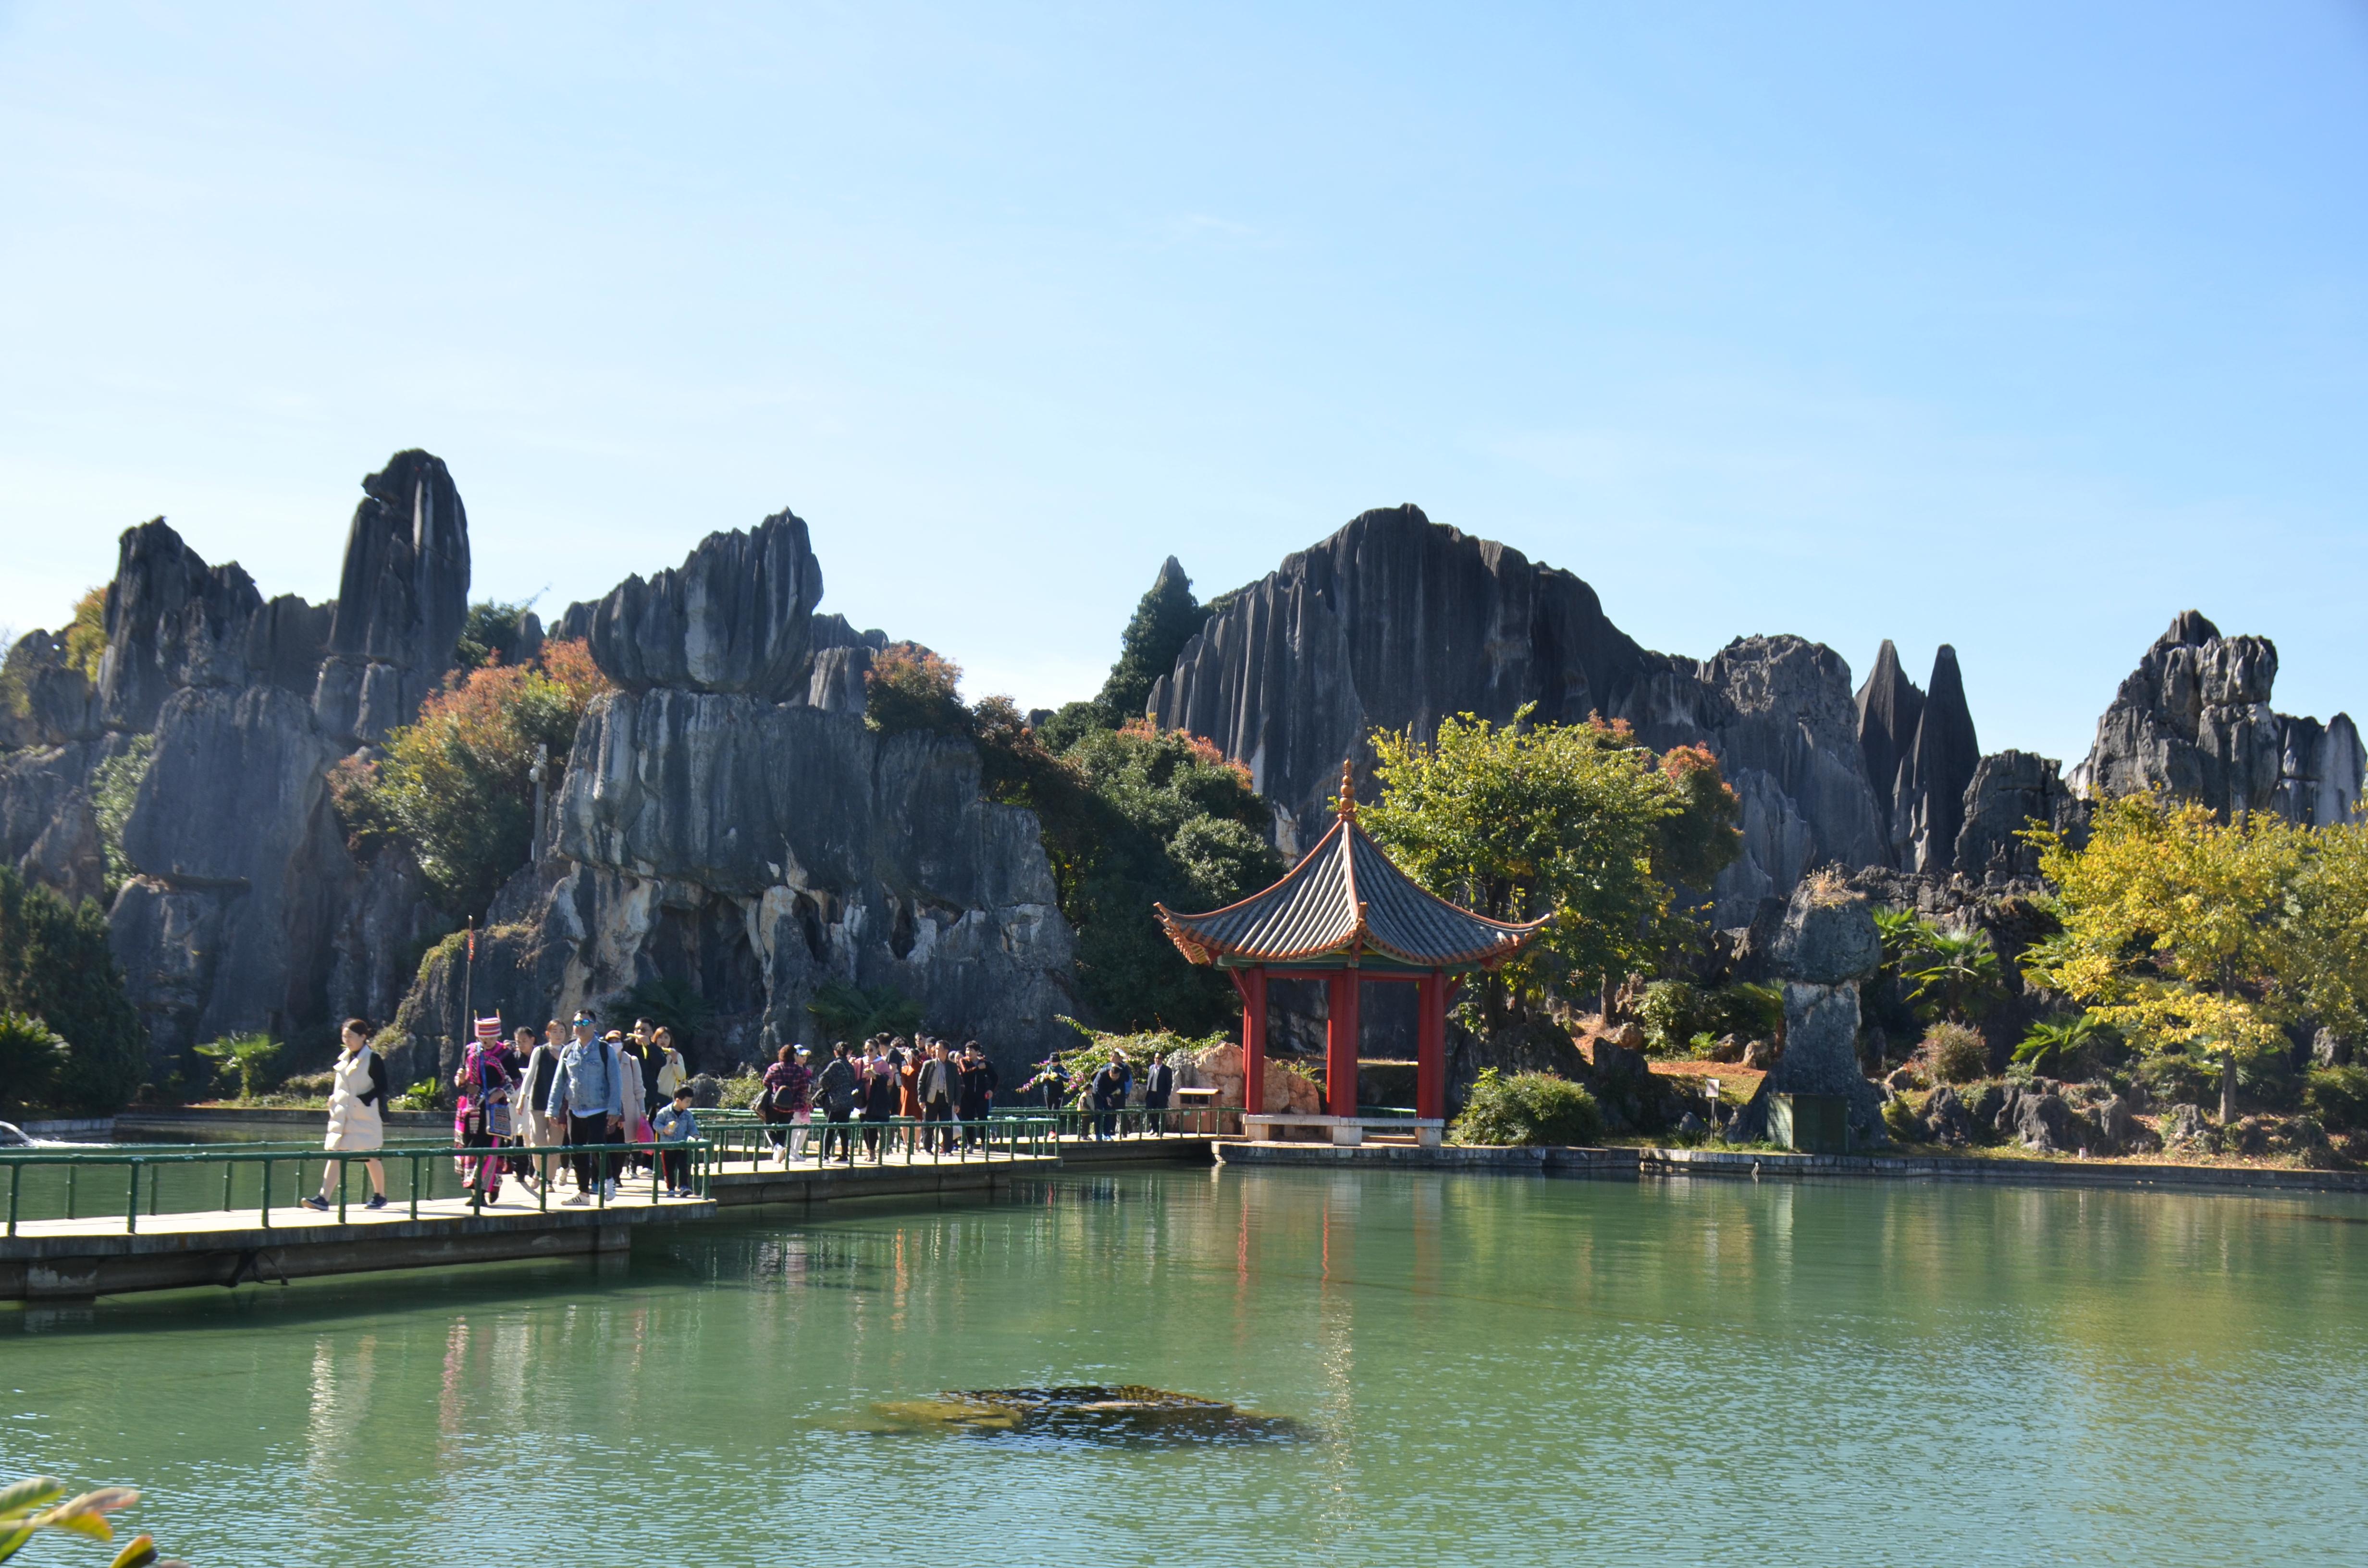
<point x="1092" y="1412"/>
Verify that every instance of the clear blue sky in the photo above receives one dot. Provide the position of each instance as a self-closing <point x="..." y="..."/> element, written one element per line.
<point x="2020" y="328"/>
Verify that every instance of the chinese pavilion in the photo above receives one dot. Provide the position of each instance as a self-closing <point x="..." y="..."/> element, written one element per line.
<point x="1345" y="913"/>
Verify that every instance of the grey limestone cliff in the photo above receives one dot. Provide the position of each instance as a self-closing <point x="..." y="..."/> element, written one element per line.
<point x="1396" y="622"/>
<point x="758" y="843"/>
<point x="401" y="600"/>
<point x="2193" y="721"/>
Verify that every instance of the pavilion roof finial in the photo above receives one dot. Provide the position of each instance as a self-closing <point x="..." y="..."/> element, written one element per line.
<point x="1348" y="807"/>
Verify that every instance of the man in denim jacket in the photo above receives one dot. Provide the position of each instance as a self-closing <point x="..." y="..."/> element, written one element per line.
<point x="588" y="1096"/>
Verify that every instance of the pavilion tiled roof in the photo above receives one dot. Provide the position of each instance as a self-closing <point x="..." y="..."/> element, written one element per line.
<point x="1346" y="898"/>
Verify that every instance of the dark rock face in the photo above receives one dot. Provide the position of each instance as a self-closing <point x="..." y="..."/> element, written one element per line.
<point x="734" y="618"/>
<point x="1890" y="706"/>
<point x="1829" y="941"/>
<point x="172" y="621"/>
<point x="2319" y="770"/>
<point x="1946" y="1120"/>
<point x="1929" y="800"/>
<point x="401" y="602"/>
<point x="2194" y="719"/>
<point x="61" y="706"/>
<point x="2009" y="790"/>
<point x="1778" y="714"/>
<point x="759" y="851"/>
<point x="1395" y="622"/>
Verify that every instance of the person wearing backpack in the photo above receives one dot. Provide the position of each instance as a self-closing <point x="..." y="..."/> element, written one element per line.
<point x="481" y="1118"/>
<point x="836" y="1086"/>
<point x="785" y="1099"/>
<point x="588" y="1093"/>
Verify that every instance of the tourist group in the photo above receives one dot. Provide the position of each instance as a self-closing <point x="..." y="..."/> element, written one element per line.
<point x="583" y="1091"/>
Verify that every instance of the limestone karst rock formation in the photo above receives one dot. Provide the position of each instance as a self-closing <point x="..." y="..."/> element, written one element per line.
<point x="2193" y="721"/>
<point x="733" y="617"/>
<point x="2010" y="789"/>
<point x="1889" y="707"/>
<point x="1396" y="621"/>
<point x="727" y="821"/>
<point x="1921" y="754"/>
<point x="1827" y="945"/>
<point x="401" y="600"/>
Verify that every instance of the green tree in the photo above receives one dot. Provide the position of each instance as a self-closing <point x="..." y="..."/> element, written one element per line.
<point x="493" y="633"/>
<point x="1953" y="975"/>
<point x="32" y="1058"/>
<point x="1166" y="618"/>
<point x="2180" y="930"/>
<point x="56" y="965"/>
<point x="1575" y="822"/>
<point x="455" y="787"/>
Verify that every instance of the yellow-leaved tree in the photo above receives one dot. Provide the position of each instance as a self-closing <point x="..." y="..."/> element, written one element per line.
<point x="2183" y="932"/>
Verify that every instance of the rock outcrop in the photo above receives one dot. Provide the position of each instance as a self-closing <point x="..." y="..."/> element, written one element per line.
<point x="758" y="851"/>
<point x="401" y="601"/>
<point x="1392" y="622"/>
<point x="1889" y="707"/>
<point x="734" y="616"/>
<point x="1396" y="622"/>
<point x="2193" y="721"/>
<point x="1829" y="945"/>
<point x="1929" y="800"/>
<point x="2009" y="790"/>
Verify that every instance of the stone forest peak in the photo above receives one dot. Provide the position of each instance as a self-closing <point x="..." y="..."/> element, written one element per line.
<point x="725" y="820"/>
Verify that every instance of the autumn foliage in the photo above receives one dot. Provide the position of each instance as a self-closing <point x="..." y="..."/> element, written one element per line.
<point x="455" y="787"/>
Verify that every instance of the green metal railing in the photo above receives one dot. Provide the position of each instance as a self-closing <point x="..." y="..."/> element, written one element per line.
<point x="153" y="1162"/>
<point x="744" y="1137"/>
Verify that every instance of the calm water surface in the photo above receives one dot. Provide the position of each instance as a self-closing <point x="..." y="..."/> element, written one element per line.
<point x="1498" y="1371"/>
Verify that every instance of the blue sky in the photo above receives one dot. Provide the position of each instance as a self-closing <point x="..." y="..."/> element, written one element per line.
<point x="2022" y="327"/>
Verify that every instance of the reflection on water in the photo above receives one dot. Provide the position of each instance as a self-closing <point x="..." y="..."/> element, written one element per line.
<point x="1500" y="1371"/>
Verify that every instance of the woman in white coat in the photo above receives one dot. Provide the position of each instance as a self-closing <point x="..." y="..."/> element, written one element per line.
<point x="357" y="1125"/>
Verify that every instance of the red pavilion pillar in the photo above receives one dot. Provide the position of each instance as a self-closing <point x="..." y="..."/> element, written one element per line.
<point x="1340" y="1044"/>
<point x="1251" y="984"/>
<point x="1430" y="1047"/>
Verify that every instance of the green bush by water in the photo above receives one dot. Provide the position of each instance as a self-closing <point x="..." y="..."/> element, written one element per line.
<point x="2337" y="1096"/>
<point x="1528" y="1109"/>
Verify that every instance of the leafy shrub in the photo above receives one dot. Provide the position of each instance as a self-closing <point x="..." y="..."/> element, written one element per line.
<point x="1748" y="1011"/>
<point x="32" y="1058"/>
<point x="2338" y="1097"/>
<point x="2065" y="1047"/>
<point x="1901" y="1119"/>
<point x="1953" y="975"/>
<point x="739" y="1092"/>
<point x="909" y="687"/>
<point x="1670" y="1012"/>
<point x="2174" y="1077"/>
<point x="1528" y="1108"/>
<point x="494" y="633"/>
<point x="56" y="965"/>
<point x="114" y="788"/>
<point x="249" y="1064"/>
<point x="1953" y="1053"/>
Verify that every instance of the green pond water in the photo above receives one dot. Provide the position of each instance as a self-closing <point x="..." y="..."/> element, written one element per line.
<point x="1468" y="1369"/>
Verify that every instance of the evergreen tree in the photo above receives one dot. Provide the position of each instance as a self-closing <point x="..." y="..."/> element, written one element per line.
<point x="56" y="965"/>
<point x="1167" y="619"/>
